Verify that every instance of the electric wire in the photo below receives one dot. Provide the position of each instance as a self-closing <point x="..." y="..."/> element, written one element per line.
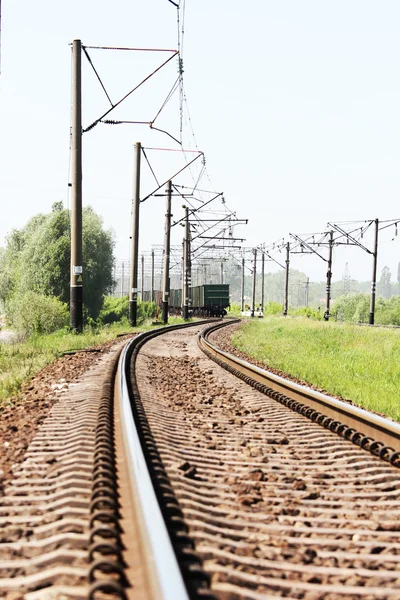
<point x="128" y="94"/>
<point x="130" y="49"/>
<point x="150" y="167"/>
<point x="96" y="73"/>
<point x="167" y="99"/>
<point x="166" y="133"/>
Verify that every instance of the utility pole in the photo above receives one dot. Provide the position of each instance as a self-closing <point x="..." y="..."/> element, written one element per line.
<point x="262" y="280"/>
<point x="286" y="299"/>
<point x="183" y="271"/>
<point x="186" y="261"/>
<point x="253" y="300"/>
<point x="307" y="285"/>
<point x="152" y="277"/>
<point x="189" y="266"/>
<point x="122" y="279"/>
<point x="142" y="281"/>
<point x="114" y="280"/>
<point x="76" y="270"/>
<point x="133" y="281"/>
<point x="346" y="279"/>
<point x="222" y="272"/>
<point x="352" y="239"/>
<point x="242" y="286"/>
<point x="329" y="278"/>
<point x="373" y="283"/>
<point x="167" y="249"/>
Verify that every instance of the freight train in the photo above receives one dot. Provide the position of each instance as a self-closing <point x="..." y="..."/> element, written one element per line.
<point x="210" y="300"/>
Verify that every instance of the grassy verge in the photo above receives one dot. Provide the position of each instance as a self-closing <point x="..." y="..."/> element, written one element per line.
<point x="357" y="363"/>
<point x="20" y="361"/>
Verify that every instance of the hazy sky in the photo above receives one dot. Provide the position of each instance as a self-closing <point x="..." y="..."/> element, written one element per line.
<point x="295" y="104"/>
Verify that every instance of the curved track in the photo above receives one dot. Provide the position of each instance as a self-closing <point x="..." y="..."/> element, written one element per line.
<point x="172" y="478"/>
<point x="277" y="504"/>
<point x="370" y="431"/>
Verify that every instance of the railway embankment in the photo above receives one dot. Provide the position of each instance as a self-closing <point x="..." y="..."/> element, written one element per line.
<point x="352" y="363"/>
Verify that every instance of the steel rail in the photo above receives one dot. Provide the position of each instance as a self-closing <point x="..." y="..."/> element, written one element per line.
<point x="355" y="420"/>
<point x="162" y="566"/>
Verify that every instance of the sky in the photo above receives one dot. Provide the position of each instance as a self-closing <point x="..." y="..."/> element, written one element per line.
<point x="294" y="104"/>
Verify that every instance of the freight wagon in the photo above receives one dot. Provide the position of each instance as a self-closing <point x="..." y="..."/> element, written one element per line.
<point x="210" y="300"/>
<point x="157" y="296"/>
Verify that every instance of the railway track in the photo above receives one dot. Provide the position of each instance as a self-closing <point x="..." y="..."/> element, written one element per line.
<point x="183" y="481"/>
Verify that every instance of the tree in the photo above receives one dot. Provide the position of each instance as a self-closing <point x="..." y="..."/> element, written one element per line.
<point x="398" y="277"/>
<point x="37" y="258"/>
<point x="384" y="285"/>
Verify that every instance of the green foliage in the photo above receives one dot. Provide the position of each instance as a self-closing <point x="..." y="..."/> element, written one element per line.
<point x="273" y="308"/>
<point x="37" y="258"/>
<point x="145" y="311"/>
<point x="234" y="310"/>
<point x="5" y="277"/>
<point x="32" y="313"/>
<point x="114" y="310"/>
<point x="351" y="307"/>
<point x="21" y="360"/>
<point x="384" y="286"/>
<point x="98" y="261"/>
<point x="388" y="311"/>
<point x="117" y="309"/>
<point x="310" y="313"/>
<point x="355" y="308"/>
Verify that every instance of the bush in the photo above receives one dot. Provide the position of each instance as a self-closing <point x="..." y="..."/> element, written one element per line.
<point x="355" y="308"/>
<point x="273" y="308"/>
<point x="351" y="307"/>
<point x="114" y="310"/>
<point x="145" y="311"/>
<point x="117" y="309"/>
<point x="234" y="310"/>
<point x="32" y="313"/>
<point x="311" y="313"/>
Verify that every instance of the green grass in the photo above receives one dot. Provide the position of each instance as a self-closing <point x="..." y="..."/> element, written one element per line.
<point x="20" y="361"/>
<point x="356" y="363"/>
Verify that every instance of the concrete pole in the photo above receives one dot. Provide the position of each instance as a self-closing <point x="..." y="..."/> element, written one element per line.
<point x="76" y="270"/>
<point x="307" y="284"/>
<point x="286" y="299"/>
<point x="114" y="280"/>
<point x="186" y="261"/>
<point x="183" y="274"/>
<point x="329" y="278"/>
<point x="152" y="276"/>
<point x="373" y="283"/>
<point x="204" y="274"/>
<point x="122" y="279"/>
<point x="142" y="281"/>
<point x="262" y="280"/>
<point x="167" y="249"/>
<point x="222" y="272"/>
<point x="189" y="265"/>
<point x="133" y="280"/>
<point x="253" y="300"/>
<point x="242" y="287"/>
